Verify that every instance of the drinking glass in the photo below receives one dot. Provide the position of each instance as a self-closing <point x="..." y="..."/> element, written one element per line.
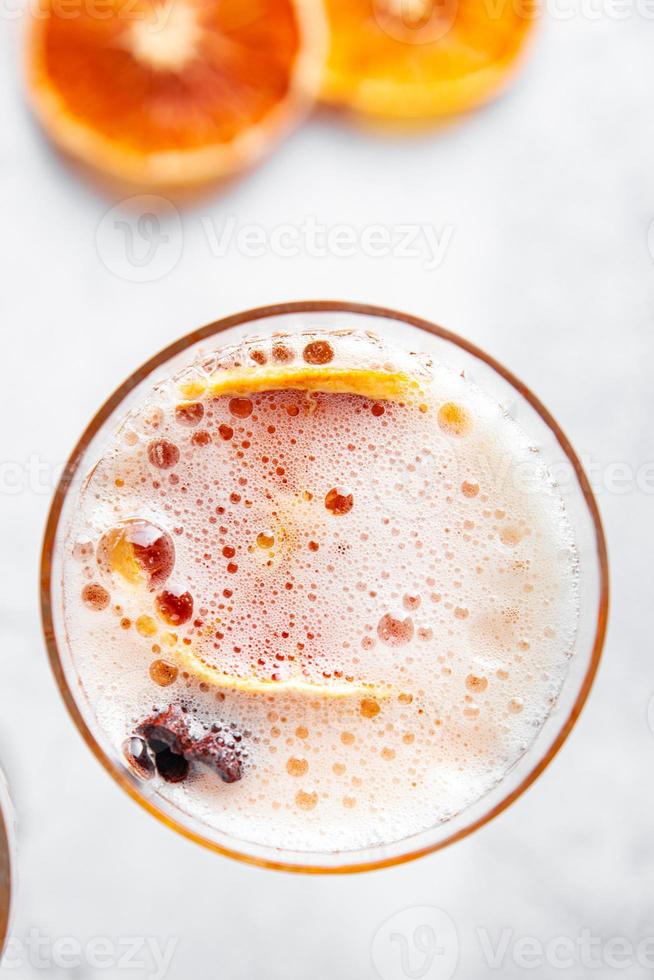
<point x="410" y="333"/>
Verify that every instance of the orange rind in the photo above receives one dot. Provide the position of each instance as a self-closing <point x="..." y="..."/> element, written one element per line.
<point x="297" y="685"/>
<point x="369" y="383"/>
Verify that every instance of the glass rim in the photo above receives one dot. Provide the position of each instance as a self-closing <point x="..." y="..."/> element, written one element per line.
<point x="252" y="316"/>
<point x="7" y="869"/>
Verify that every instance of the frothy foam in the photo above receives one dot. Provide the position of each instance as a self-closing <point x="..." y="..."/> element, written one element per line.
<point x="350" y="557"/>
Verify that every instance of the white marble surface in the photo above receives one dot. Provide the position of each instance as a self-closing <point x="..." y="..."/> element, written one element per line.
<point x="549" y="195"/>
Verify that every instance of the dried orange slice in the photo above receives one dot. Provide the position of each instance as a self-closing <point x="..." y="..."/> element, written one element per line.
<point x="420" y="59"/>
<point x="208" y="674"/>
<point x="367" y="382"/>
<point x="173" y="93"/>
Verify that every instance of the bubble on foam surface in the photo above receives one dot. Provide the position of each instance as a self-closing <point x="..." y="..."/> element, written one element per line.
<point x="393" y="558"/>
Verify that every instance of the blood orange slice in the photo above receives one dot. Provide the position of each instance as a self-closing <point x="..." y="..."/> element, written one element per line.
<point x="421" y="59"/>
<point x="173" y="93"/>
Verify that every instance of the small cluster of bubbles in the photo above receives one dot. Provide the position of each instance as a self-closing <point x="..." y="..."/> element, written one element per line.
<point x="361" y="550"/>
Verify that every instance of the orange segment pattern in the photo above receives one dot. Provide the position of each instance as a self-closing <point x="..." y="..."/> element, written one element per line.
<point x="181" y="89"/>
<point x="172" y="76"/>
<point x="412" y="59"/>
